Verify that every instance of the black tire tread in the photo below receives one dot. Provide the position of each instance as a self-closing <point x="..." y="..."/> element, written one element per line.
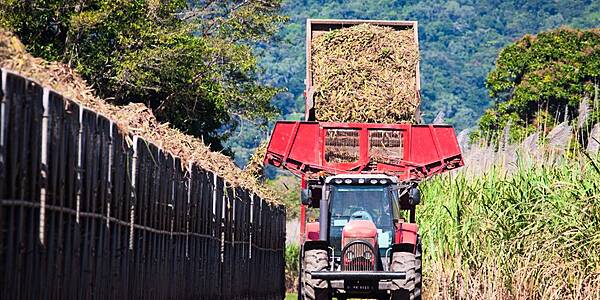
<point x="418" y="272"/>
<point x="410" y="287"/>
<point x="315" y="289"/>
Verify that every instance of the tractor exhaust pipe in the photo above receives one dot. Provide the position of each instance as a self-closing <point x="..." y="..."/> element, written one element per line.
<point x="323" y="214"/>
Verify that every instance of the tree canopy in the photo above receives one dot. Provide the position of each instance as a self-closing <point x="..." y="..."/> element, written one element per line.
<point x="541" y="80"/>
<point x="192" y="62"/>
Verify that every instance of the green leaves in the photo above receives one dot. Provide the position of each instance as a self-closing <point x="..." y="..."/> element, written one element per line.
<point x="549" y="72"/>
<point x="190" y="63"/>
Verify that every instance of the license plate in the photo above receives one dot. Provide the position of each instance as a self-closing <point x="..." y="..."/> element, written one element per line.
<point x="359" y="286"/>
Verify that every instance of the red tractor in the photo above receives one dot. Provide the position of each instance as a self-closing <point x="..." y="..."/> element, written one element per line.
<point x="362" y="178"/>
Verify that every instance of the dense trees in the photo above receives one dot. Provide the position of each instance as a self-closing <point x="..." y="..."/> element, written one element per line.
<point x="541" y="80"/>
<point x="191" y="61"/>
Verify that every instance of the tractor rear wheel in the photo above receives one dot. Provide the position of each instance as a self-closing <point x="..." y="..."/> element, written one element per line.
<point x="315" y="289"/>
<point x="410" y="287"/>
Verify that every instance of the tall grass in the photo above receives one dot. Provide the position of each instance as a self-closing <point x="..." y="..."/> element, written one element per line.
<point x="533" y="234"/>
<point x="292" y="267"/>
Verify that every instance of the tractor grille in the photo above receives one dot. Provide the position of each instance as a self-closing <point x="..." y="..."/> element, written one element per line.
<point x="358" y="255"/>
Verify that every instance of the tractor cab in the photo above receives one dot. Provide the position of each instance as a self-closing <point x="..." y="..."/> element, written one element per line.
<point x="362" y="208"/>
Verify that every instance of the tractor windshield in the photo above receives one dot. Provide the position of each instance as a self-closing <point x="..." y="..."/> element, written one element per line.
<point x="361" y="202"/>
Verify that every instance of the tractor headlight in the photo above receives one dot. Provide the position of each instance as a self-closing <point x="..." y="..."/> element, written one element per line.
<point x="338" y="181"/>
<point x="349" y="255"/>
<point x="373" y="181"/>
<point x="348" y="181"/>
<point x="368" y="255"/>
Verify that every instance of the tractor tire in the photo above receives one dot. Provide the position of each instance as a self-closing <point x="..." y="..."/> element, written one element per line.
<point x="410" y="287"/>
<point x="315" y="289"/>
<point x="418" y="273"/>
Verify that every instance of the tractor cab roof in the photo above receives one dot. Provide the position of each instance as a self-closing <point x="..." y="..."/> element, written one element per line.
<point x="361" y="179"/>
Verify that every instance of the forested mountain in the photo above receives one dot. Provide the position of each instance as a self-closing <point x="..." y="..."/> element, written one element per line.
<point x="459" y="42"/>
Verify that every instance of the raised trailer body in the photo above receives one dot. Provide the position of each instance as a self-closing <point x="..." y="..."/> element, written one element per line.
<point x="316" y="27"/>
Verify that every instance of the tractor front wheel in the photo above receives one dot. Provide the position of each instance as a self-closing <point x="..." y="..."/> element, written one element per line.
<point x="315" y="289"/>
<point x="410" y="287"/>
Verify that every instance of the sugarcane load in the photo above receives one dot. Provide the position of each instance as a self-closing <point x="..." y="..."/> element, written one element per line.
<point x="365" y="73"/>
<point x="361" y="154"/>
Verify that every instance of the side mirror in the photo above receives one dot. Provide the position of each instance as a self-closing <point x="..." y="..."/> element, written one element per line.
<point x="414" y="196"/>
<point x="306" y="196"/>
